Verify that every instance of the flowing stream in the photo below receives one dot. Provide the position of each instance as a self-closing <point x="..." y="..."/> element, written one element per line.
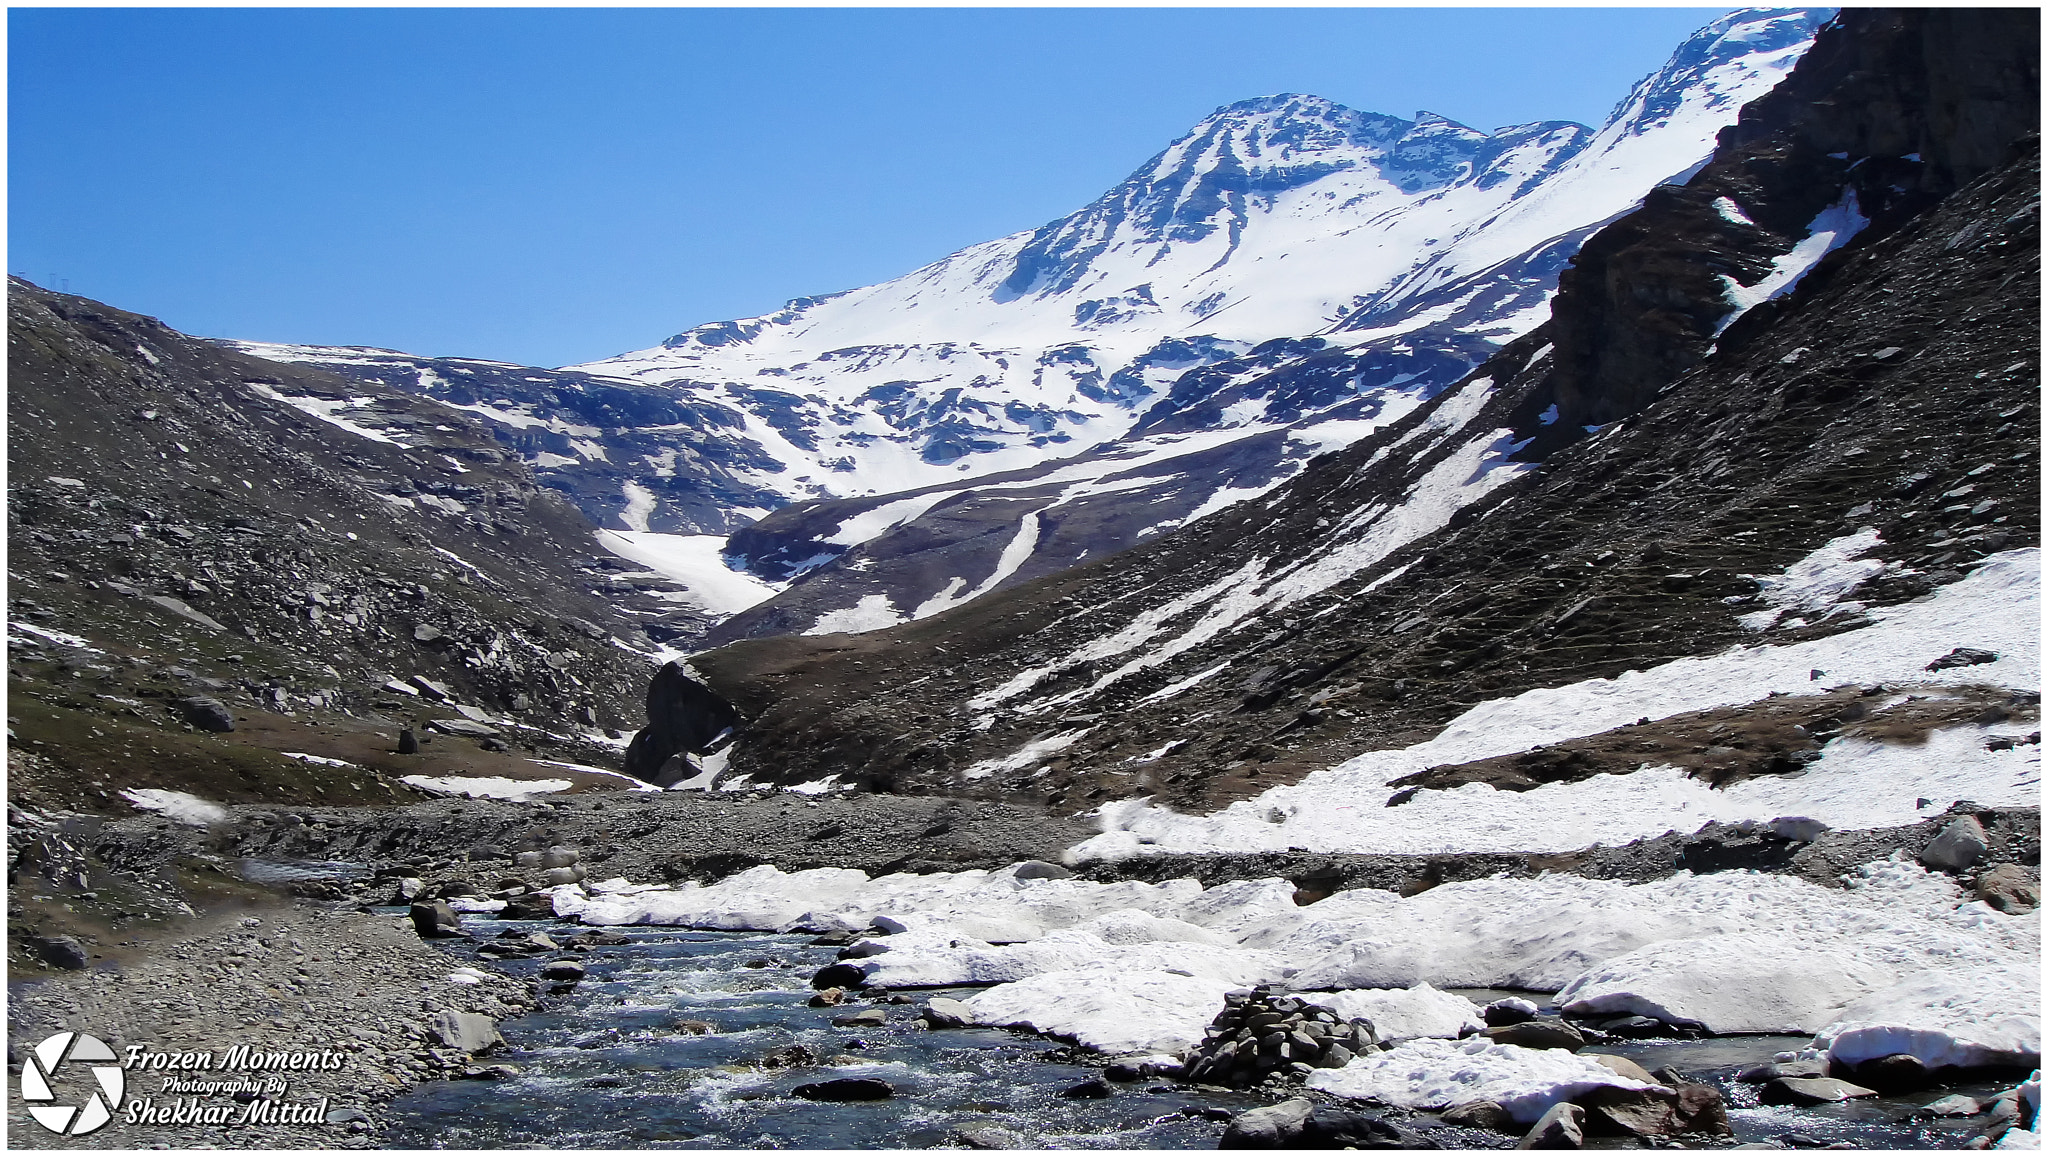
<point x="605" y="1067"/>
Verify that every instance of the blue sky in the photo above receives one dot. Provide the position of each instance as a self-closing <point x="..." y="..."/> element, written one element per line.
<point x="550" y="186"/>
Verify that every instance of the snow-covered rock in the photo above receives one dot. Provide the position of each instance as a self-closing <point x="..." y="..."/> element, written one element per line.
<point x="1944" y="1017"/>
<point x="1438" y="1074"/>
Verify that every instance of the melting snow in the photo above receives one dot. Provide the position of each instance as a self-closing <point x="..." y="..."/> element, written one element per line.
<point x="694" y="561"/>
<point x="488" y="786"/>
<point x="180" y="806"/>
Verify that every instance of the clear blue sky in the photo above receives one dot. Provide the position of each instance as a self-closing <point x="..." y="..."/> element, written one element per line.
<point x="550" y="186"/>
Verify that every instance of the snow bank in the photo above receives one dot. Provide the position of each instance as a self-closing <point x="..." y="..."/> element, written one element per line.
<point x="180" y="806"/>
<point x="1400" y="1014"/>
<point x="1343" y="808"/>
<point x="1736" y="951"/>
<point x="487" y="786"/>
<point x="1117" y="1012"/>
<point x="1947" y="1017"/>
<point x="1437" y="1074"/>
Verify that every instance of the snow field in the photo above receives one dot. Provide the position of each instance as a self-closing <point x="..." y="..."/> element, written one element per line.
<point x="1857" y="784"/>
<point x="1896" y="957"/>
<point x="1438" y="1074"/>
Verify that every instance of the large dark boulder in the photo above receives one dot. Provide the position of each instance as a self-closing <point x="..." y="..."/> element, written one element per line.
<point x="684" y="717"/>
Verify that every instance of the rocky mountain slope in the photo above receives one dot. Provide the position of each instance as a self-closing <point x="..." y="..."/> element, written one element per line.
<point x="198" y="538"/>
<point x="1577" y="508"/>
<point x="1284" y="279"/>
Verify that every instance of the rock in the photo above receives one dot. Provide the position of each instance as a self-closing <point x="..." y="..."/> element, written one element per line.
<point x="526" y="860"/>
<point x="531" y="906"/>
<point x="1093" y="1089"/>
<point x="1542" y="1033"/>
<point x="343" y="1114"/>
<point x="1121" y="1072"/>
<point x="828" y="998"/>
<point x="988" y="1137"/>
<point x="424" y="633"/>
<point x="683" y="716"/>
<point x="1798" y="829"/>
<point x="1273" y="1127"/>
<point x="471" y="1032"/>
<point x="206" y="714"/>
<point x="1332" y="1128"/>
<point x="1804" y="1091"/>
<point x="1634" y="1027"/>
<point x="1897" y="1073"/>
<point x="945" y="1012"/>
<point x="1563" y="1127"/>
<point x="1958" y="846"/>
<point x="1953" y="1105"/>
<point x="559" y="857"/>
<point x="1623" y="1066"/>
<point x="469" y="728"/>
<point x="556" y="877"/>
<point x="693" y="1027"/>
<point x="1511" y="1010"/>
<point x="1701" y="1109"/>
<point x="434" y="918"/>
<point x="562" y="970"/>
<point x="839" y="976"/>
<point x="847" y="1089"/>
<point x="2014" y="889"/>
<point x="1612" y="1112"/>
<point x="408" y="741"/>
<point x="410" y="889"/>
<point x="790" y="1056"/>
<point x="1771" y="1071"/>
<point x="1480" y="1115"/>
<point x="1962" y="657"/>
<point x="487" y="1073"/>
<point x="1039" y="870"/>
<point x="61" y="952"/>
<point x="865" y="1018"/>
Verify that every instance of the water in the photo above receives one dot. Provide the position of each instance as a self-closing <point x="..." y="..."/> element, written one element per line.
<point x="603" y="1067"/>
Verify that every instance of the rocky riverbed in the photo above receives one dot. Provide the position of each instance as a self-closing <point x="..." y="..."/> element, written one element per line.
<point x="287" y="943"/>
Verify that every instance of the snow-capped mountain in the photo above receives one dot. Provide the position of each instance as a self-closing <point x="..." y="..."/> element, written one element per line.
<point x="1275" y="217"/>
<point x="1284" y="279"/>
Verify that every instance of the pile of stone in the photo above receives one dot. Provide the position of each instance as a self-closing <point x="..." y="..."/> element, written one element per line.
<point x="1261" y="1035"/>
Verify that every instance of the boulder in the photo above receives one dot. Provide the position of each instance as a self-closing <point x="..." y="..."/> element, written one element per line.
<point x="1563" y="1127"/>
<point x="1273" y="1127"/>
<point x="1541" y="1033"/>
<point x="847" y="1089"/>
<point x="865" y="1018"/>
<point x="1623" y="1066"/>
<point x="1480" y="1115"/>
<point x="683" y="716"/>
<point x="1953" y="1105"/>
<point x="556" y="877"/>
<point x="839" y="976"/>
<point x="1805" y="1091"/>
<point x="1962" y="657"/>
<point x="433" y="919"/>
<point x="559" y="857"/>
<point x="988" y="1137"/>
<point x="526" y="859"/>
<point x="945" y="1012"/>
<point x="1702" y="1109"/>
<point x="694" y="1027"/>
<point x="1093" y="1089"/>
<point x="790" y="1056"/>
<point x="2014" y="889"/>
<point x="408" y="741"/>
<point x="828" y="998"/>
<point x="61" y="952"/>
<point x="207" y="714"/>
<point x="410" y="888"/>
<point x="1614" y="1112"/>
<point x="1957" y="847"/>
<point x="1039" y="870"/>
<point x="562" y="970"/>
<point x="470" y="1032"/>
<point x="1510" y="1010"/>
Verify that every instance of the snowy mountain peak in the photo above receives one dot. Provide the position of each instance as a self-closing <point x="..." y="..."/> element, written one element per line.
<point x="1279" y="217"/>
<point x="1713" y="64"/>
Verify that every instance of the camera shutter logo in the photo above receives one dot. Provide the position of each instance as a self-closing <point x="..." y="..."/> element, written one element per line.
<point x="72" y="1048"/>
